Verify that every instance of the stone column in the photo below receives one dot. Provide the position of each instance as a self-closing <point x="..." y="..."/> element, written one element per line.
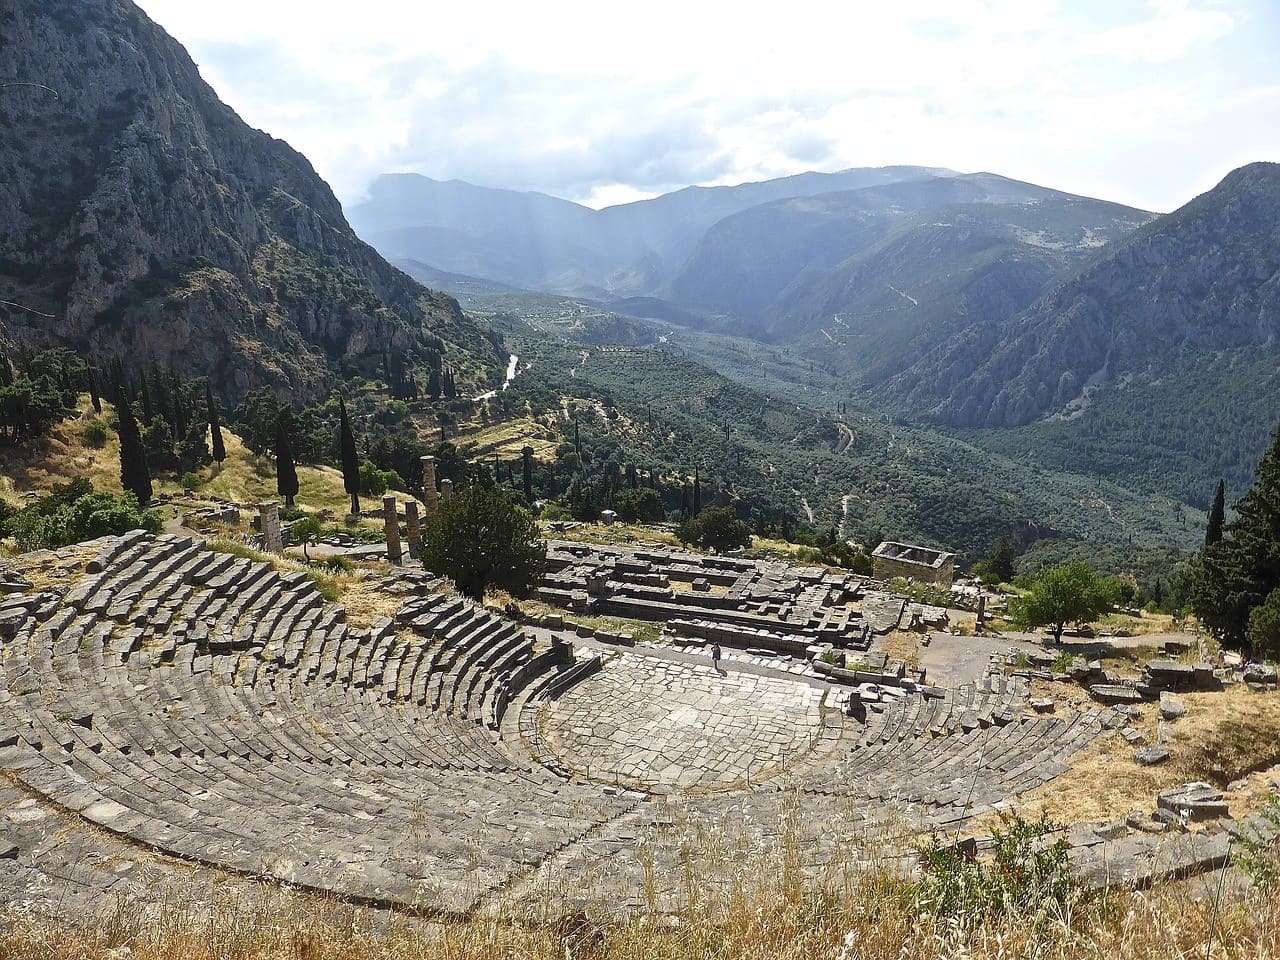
<point x="446" y="490"/>
<point x="982" y="607"/>
<point x="269" y="524"/>
<point x="412" y="530"/>
<point x="391" y="522"/>
<point x="429" y="485"/>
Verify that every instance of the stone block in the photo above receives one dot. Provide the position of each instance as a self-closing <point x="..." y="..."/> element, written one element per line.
<point x="1194" y="801"/>
<point x="1150" y="756"/>
<point x="1259" y="673"/>
<point x="1171" y="708"/>
<point x="1138" y="820"/>
<point x="1114" y="693"/>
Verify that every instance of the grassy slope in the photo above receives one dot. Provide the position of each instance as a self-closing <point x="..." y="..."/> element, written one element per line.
<point x="242" y="478"/>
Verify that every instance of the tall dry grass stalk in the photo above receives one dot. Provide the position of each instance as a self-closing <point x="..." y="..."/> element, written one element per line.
<point x="881" y="919"/>
<point x="862" y="906"/>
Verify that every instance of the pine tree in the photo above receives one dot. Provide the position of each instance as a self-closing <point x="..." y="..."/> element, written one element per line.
<point x="286" y="469"/>
<point x="215" y="426"/>
<point x="134" y="475"/>
<point x="1217" y="514"/>
<point x="350" y="462"/>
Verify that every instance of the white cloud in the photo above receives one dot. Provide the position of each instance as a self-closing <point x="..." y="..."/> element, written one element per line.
<point x="594" y="102"/>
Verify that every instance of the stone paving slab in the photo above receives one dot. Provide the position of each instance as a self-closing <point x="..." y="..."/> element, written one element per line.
<point x="656" y="724"/>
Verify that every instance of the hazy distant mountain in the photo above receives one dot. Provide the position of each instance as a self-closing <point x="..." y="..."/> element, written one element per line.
<point x="1204" y="279"/>
<point x="539" y="242"/>
<point x="869" y="262"/>
<point x="141" y="218"/>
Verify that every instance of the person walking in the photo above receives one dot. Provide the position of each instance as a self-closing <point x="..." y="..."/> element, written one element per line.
<point x="715" y="655"/>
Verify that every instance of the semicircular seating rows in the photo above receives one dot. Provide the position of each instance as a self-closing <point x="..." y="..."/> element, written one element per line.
<point x="213" y="708"/>
<point x="221" y="711"/>
<point x="958" y="752"/>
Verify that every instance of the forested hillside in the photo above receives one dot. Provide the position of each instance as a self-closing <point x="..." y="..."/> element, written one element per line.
<point x="1201" y="280"/>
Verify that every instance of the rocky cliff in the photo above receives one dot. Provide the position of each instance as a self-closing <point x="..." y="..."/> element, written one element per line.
<point x="140" y="217"/>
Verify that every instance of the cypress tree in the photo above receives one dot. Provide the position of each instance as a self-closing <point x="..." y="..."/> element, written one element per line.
<point x="697" y="493"/>
<point x="286" y="469"/>
<point x="577" y="441"/>
<point x="94" y="397"/>
<point x="526" y="467"/>
<point x="134" y="475"/>
<point x="1240" y="574"/>
<point x="632" y="481"/>
<point x="350" y="463"/>
<point x="148" y="411"/>
<point x="1213" y="532"/>
<point x="217" y="445"/>
<point x="180" y="423"/>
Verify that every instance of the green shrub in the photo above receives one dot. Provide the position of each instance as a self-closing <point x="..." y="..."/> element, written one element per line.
<point x="716" y="528"/>
<point x="71" y="515"/>
<point x="375" y="482"/>
<point x="1260" y="858"/>
<point x="192" y="481"/>
<point x="94" y="434"/>
<point x="1025" y="876"/>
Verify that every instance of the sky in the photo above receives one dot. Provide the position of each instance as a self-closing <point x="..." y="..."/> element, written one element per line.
<point x="1145" y="102"/>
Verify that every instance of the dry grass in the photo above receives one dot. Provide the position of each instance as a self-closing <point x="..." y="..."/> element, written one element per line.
<point x="62" y="455"/>
<point x="1137" y="626"/>
<point x="45" y="569"/>
<point x="506" y="440"/>
<point x="903" y="646"/>
<point x="1223" y="737"/>
<point x="616" y="534"/>
<point x="246" y="478"/>
<point x="767" y="915"/>
<point x="364" y="602"/>
<point x="1226" y="735"/>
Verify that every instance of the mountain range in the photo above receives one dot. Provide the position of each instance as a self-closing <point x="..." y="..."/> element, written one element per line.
<point x="141" y="218"/>
<point x="538" y="242"/>
<point x="1093" y="336"/>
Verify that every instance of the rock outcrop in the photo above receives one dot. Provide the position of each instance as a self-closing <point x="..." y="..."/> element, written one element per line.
<point x="140" y="217"/>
